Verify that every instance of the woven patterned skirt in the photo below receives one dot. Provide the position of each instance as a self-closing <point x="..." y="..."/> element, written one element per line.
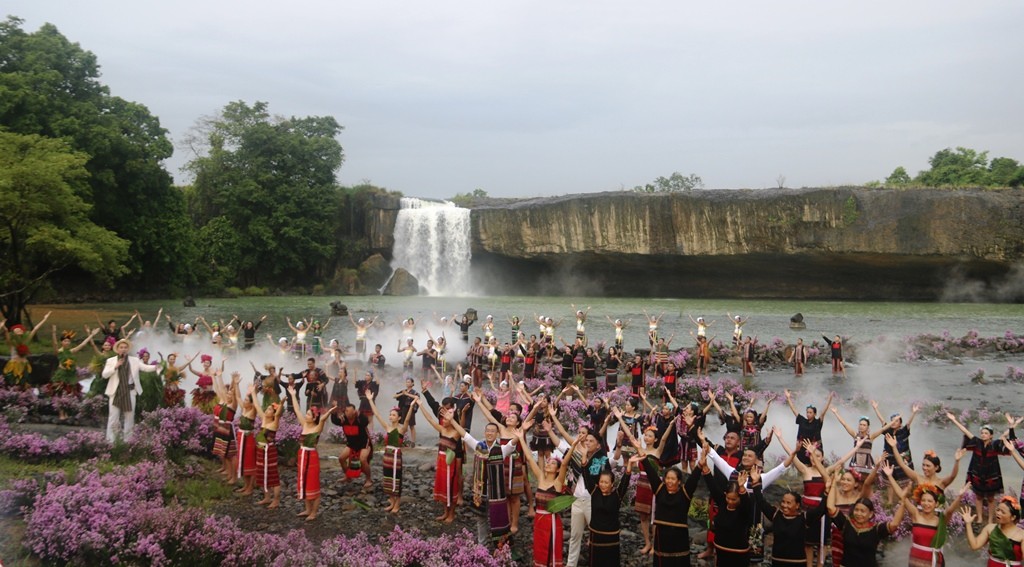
<point x="308" y="474"/>
<point x="392" y="471"/>
<point x="266" y="466"/>
<point x="245" y="440"/>
<point x="224" y="439"/>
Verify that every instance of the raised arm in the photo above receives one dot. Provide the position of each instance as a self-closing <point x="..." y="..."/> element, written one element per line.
<point x="558" y="424"/>
<point x="914" y="410"/>
<point x="828" y="405"/>
<point x="911" y="473"/>
<point x="838" y="465"/>
<point x="842" y="422"/>
<point x="956" y="466"/>
<point x="295" y="403"/>
<point x="952" y="419"/>
<point x="874" y="406"/>
<point x="430" y="418"/>
<point x="789" y="402"/>
<point x="376" y="413"/>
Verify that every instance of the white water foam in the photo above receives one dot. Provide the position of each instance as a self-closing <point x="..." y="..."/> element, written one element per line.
<point x="432" y="243"/>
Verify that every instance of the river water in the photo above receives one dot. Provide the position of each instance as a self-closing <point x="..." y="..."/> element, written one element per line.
<point x="878" y="370"/>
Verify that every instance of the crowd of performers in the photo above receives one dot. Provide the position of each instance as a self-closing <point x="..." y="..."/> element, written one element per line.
<point x="527" y="454"/>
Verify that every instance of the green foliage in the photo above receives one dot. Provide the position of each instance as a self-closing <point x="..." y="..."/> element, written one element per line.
<point x="899" y="176"/>
<point x="51" y="88"/>
<point x="200" y="491"/>
<point x="850" y="212"/>
<point x="255" y="291"/>
<point x="672" y="184"/>
<point x="45" y="223"/>
<point x="271" y="181"/>
<point x="233" y="292"/>
<point x="466" y="200"/>
<point x="962" y="167"/>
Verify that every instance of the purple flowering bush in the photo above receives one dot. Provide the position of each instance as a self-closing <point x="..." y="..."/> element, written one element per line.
<point x="33" y="447"/>
<point x="92" y="521"/>
<point x="171" y="433"/>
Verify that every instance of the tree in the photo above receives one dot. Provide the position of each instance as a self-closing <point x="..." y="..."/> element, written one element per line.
<point x="45" y="223"/>
<point x="51" y="88"/>
<point x="671" y="184"/>
<point x="899" y="176"/>
<point x="272" y="181"/>
<point x="960" y="167"/>
<point x="1005" y="172"/>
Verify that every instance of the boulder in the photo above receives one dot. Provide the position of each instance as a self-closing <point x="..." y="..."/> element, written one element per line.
<point x="339" y="309"/>
<point x="402" y="283"/>
<point x="374" y="271"/>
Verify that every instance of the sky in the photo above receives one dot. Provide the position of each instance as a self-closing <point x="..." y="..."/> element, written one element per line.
<point x="536" y="98"/>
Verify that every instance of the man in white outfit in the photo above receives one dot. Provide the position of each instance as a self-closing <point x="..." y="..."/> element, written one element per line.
<point x="123" y="386"/>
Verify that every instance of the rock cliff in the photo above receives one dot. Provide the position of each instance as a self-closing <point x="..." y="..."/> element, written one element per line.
<point x="821" y="243"/>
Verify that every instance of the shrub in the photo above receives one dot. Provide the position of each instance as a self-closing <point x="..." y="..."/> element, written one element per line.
<point x="255" y="291"/>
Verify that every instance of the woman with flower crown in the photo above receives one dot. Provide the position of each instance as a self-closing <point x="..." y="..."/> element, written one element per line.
<point x="312" y="422"/>
<point x="1004" y="537"/>
<point x="928" y="523"/>
<point x="861" y="535"/>
<point x="65" y="377"/>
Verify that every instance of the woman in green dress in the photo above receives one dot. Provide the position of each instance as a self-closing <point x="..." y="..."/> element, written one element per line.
<point x="65" y="377"/>
<point x="152" y="388"/>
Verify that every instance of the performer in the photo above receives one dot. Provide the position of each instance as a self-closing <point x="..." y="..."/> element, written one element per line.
<point x="355" y="457"/>
<point x="605" y="525"/>
<point x="747" y="352"/>
<point x="245" y="440"/>
<point x="901" y="433"/>
<point x="798" y="357"/>
<point x="267" y="477"/>
<point x="203" y="396"/>
<point x="394" y="432"/>
<point x="860" y="535"/>
<point x="489" y="479"/>
<point x="809" y="425"/>
<point x="619" y="327"/>
<point x="223" y="427"/>
<point x="737" y="328"/>
<point x="312" y="422"/>
<point x="1004" y="537"/>
<point x="836" y="347"/>
<point x="448" y="478"/>
<point x="862" y="461"/>
<point x="789" y="524"/>
<point x="927" y="521"/>
<point x="123" y="389"/>
<point x="733" y="521"/>
<point x="547" y="526"/>
<point x="65" y="377"/>
<point x="984" y="473"/>
<point x="671" y="511"/>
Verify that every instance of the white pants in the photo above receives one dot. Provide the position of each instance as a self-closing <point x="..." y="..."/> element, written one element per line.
<point x="114" y="419"/>
<point x="580" y="524"/>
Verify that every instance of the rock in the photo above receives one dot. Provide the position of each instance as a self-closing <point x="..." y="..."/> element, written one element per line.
<point x="402" y="283"/>
<point x="374" y="271"/>
<point x="834" y="243"/>
<point x="189" y="301"/>
<point x="339" y="309"/>
<point x="798" y="318"/>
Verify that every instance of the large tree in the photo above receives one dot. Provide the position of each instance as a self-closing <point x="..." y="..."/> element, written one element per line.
<point x="50" y="86"/>
<point x="44" y="223"/>
<point x="271" y="180"/>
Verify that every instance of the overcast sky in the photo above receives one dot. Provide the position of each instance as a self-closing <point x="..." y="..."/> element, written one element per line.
<point x="528" y="98"/>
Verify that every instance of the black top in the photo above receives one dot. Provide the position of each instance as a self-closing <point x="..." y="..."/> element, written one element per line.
<point x="671" y="508"/>
<point x="732" y="527"/>
<point x="429" y="358"/>
<point x="789" y="531"/>
<point x="356" y="434"/>
<point x="859" y="547"/>
<point x="670" y="453"/>
<point x="604" y="510"/>
<point x="806" y="429"/>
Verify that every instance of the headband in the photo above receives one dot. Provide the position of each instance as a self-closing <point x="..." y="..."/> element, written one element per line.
<point x="206" y="358"/>
<point x="69" y="335"/>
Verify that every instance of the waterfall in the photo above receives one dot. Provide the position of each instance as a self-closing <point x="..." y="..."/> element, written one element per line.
<point x="432" y="243"/>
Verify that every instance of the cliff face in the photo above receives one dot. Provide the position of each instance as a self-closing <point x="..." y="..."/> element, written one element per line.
<point x="841" y="243"/>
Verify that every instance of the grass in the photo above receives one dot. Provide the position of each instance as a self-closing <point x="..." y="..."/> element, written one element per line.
<point x="13" y="469"/>
<point x="12" y="531"/>
<point x="201" y="491"/>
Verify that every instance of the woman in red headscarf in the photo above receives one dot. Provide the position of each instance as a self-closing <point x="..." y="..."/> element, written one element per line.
<point x="203" y="395"/>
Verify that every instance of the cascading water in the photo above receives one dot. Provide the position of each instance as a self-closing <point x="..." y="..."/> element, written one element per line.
<point x="432" y="243"/>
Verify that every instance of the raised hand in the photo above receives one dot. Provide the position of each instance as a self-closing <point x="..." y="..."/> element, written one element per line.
<point x="890" y="440"/>
<point x="966" y="514"/>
